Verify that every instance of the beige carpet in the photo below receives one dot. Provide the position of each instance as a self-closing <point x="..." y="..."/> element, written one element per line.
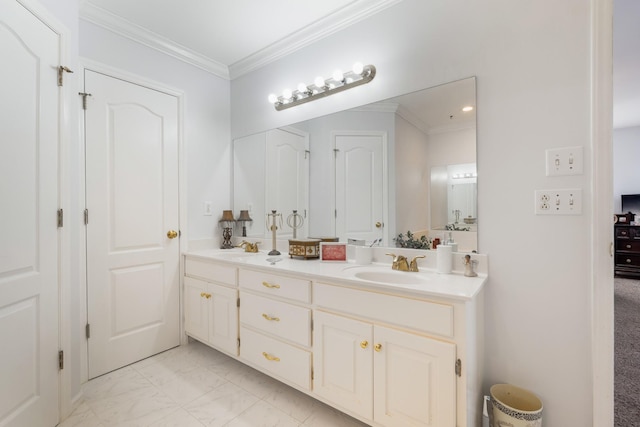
<point x="627" y="353"/>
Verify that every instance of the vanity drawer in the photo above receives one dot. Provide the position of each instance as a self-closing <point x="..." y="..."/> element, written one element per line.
<point x="280" y="359"/>
<point x="276" y="285"/>
<point x="631" y="260"/>
<point x="628" y="245"/>
<point x="420" y="315"/>
<point x="288" y="321"/>
<point x="210" y="272"/>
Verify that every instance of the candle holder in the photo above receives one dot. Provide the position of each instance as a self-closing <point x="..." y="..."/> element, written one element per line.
<point x="243" y="218"/>
<point x="227" y="222"/>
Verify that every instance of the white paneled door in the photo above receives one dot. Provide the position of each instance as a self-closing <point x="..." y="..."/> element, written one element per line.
<point x="288" y="189"/>
<point x="360" y="195"/>
<point x="132" y="233"/>
<point x="29" y="144"/>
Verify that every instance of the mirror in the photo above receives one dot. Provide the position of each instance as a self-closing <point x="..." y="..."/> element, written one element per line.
<point x="367" y="173"/>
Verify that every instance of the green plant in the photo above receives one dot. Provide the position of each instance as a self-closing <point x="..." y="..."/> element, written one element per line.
<point x="411" y="243"/>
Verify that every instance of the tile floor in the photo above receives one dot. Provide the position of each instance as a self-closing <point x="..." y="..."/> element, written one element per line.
<point x="195" y="386"/>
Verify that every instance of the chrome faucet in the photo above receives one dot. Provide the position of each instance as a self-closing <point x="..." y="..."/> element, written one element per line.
<point x="399" y="262"/>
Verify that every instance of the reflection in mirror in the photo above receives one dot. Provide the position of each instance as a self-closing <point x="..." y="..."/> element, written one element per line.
<point x="454" y="197"/>
<point x="370" y="172"/>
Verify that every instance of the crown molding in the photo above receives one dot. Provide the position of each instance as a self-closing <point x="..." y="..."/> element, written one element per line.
<point x="125" y="28"/>
<point x="343" y="18"/>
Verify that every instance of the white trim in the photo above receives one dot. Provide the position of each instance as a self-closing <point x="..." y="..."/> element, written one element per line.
<point x="602" y="306"/>
<point x="120" y="26"/>
<point x="349" y="15"/>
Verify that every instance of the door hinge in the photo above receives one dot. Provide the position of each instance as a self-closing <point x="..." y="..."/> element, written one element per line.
<point x="60" y="218"/>
<point x="238" y="302"/>
<point x="62" y="69"/>
<point x="87" y="331"/>
<point x="335" y="213"/>
<point x="84" y="99"/>
<point x="307" y="153"/>
<point x="60" y="360"/>
<point x="238" y="342"/>
<point x="335" y="153"/>
<point x="86" y="216"/>
<point x="311" y="325"/>
<point x="459" y="367"/>
<point x="312" y="374"/>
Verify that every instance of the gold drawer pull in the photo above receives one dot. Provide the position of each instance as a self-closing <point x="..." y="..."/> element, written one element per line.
<point x="270" y="357"/>
<point x="274" y="319"/>
<point x="270" y="286"/>
<point x="378" y="347"/>
<point x="364" y="344"/>
<point x="205" y="295"/>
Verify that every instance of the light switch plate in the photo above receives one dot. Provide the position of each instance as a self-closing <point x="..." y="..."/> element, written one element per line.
<point x="558" y="202"/>
<point x="565" y="161"/>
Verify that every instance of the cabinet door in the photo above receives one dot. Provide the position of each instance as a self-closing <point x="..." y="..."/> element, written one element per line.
<point x="196" y="308"/>
<point x="414" y="380"/>
<point x="223" y="318"/>
<point x="342" y="360"/>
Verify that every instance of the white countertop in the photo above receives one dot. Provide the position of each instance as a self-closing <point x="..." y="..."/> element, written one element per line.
<point x="426" y="283"/>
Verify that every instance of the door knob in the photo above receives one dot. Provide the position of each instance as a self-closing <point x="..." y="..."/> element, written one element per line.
<point x="378" y="224"/>
<point x="172" y="234"/>
<point x="364" y="344"/>
<point x="378" y="347"/>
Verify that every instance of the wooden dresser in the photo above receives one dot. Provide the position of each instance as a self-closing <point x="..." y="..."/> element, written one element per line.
<point x="627" y="246"/>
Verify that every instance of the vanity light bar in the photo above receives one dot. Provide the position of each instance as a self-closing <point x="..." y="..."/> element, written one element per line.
<point x="339" y="81"/>
<point x="464" y="175"/>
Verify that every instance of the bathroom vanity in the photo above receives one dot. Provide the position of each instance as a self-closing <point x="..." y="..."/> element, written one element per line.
<point x="387" y="347"/>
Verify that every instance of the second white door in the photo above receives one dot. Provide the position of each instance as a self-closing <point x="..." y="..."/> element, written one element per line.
<point x="132" y="233"/>
<point x="360" y="195"/>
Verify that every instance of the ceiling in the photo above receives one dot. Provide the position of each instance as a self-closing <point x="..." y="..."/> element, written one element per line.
<point x="231" y="38"/>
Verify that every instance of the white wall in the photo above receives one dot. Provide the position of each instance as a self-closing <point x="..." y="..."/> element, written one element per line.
<point x="412" y="178"/>
<point x="532" y="62"/>
<point x="626" y="173"/>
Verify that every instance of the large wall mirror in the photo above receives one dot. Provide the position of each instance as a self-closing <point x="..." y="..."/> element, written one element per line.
<point x="404" y="164"/>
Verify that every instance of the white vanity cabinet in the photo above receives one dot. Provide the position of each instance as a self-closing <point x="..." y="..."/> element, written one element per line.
<point x="380" y="372"/>
<point x="390" y="355"/>
<point x="275" y="325"/>
<point x="211" y="304"/>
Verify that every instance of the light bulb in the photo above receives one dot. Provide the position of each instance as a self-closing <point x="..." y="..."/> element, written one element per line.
<point x="319" y="81"/>
<point x="337" y="75"/>
<point x="273" y="98"/>
<point x="302" y="88"/>
<point x="358" y="68"/>
<point x="287" y="93"/>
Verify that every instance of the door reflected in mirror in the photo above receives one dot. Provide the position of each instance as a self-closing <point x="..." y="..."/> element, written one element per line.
<point x="370" y="172"/>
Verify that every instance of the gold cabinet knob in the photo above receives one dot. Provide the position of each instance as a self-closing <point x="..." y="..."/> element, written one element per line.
<point x="378" y="347"/>
<point x="273" y="319"/>
<point x="364" y="344"/>
<point x="172" y="234"/>
<point x="203" y="294"/>
<point x="378" y="224"/>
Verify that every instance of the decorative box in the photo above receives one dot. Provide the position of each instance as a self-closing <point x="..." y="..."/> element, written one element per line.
<point x="305" y="248"/>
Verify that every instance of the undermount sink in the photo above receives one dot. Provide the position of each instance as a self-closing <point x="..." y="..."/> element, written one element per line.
<point x="386" y="275"/>
<point x="235" y="254"/>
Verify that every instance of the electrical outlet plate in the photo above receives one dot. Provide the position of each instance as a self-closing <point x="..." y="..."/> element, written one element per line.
<point x="558" y="202"/>
<point x="565" y="161"/>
